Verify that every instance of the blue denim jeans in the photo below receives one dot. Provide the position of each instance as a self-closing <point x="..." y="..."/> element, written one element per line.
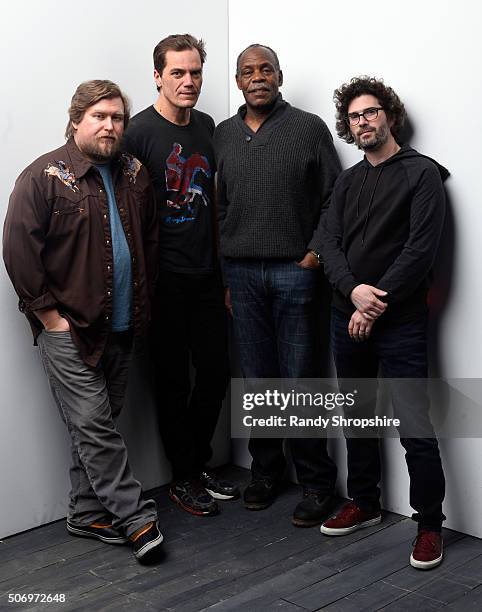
<point x="400" y="350"/>
<point x="275" y="310"/>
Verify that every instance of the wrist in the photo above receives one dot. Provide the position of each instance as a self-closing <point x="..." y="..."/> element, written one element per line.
<point x="351" y="296"/>
<point x="346" y="285"/>
<point x="317" y="255"/>
<point x="48" y="318"/>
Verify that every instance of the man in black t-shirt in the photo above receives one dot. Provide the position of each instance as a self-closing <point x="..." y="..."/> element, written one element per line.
<point x="174" y="142"/>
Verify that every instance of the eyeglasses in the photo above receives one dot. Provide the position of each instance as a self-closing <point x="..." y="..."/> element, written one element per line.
<point x="370" y="114"/>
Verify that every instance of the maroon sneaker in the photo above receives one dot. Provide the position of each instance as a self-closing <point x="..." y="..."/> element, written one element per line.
<point x="350" y="518"/>
<point x="427" y="550"/>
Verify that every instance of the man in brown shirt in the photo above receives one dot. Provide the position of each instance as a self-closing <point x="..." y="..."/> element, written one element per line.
<point x="80" y="246"/>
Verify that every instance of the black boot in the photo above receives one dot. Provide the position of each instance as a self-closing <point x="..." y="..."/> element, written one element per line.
<point x="312" y="509"/>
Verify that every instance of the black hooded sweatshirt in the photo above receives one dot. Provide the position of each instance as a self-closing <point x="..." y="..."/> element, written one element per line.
<point x="383" y="228"/>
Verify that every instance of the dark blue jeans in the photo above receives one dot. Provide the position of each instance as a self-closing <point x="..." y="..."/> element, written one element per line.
<point x="275" y="322"/>
<point x="401" y="352"/>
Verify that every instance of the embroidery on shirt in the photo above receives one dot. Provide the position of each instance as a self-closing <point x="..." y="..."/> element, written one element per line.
<point x="131" y="166"/>
<point x="60" y="170"/>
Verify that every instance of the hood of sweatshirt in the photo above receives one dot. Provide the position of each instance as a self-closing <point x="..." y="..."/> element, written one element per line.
<point x="388" y="218"/>
<point x="405" y="153"/>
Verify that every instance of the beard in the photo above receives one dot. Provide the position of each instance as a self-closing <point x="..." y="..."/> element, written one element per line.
<point x="379" y="136"/>
<point x="102" y="149"/>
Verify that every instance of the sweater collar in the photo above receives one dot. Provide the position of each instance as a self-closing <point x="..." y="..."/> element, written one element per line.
<point x="278" y="109"/>
<point x="279" y="104"/>
<point x="276" y="116"/>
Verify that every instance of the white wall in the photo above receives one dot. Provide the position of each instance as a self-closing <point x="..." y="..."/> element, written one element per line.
<point x="45" y="52"/>
<point x="429" y="52"/>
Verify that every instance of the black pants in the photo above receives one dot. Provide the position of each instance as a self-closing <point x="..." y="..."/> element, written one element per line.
<point x="401" y="351"/>
<point x="189" y="328"/>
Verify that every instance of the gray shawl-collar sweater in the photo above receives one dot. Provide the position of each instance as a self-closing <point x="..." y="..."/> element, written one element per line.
<point x="273" y="183"/>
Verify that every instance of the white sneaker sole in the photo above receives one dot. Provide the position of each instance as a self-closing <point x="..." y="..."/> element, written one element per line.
<point x="78" y="531"/>
<point x="423" y="565"/>
<point x="139" y="554"/>
<point x="340" y="531"/>
<point x="216" y="495"/>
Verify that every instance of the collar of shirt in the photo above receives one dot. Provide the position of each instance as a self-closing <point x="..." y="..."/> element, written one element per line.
<point x="276" y="115"/>
<point x="80" y="165"/>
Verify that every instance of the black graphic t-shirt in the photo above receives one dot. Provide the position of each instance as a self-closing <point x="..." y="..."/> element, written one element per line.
<point x="180" y="161"/>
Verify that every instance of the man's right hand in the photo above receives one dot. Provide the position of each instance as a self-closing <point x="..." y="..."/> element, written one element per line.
<point x="227" y="301"/>
<point x="365" y="300"/>
<point x="52" y="321"/>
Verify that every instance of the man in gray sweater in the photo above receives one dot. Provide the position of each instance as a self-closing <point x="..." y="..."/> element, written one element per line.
<point x="276" y="168"/>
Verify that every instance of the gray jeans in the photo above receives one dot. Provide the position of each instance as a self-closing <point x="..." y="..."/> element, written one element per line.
<point x="89" y="399"/>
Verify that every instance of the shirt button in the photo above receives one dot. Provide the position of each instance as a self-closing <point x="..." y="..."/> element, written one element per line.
<point x="105" y="216"/>
<point x="106" y="317"/>
<point x="107" y="242"/>
<point x="109" y="293"/>
<point x="121" y="209"/>
<point x="101" y="191"/>
<point x="135" y="283"/>
<point x="248" y="138"/>
<point x="108" y="267"/>
<point x="133" y="260"/>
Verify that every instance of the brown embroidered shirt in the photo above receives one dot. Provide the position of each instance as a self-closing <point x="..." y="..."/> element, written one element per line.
<point x="57" y="244"/>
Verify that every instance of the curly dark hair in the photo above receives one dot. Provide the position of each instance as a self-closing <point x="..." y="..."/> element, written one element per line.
<point x="365" y="85"/>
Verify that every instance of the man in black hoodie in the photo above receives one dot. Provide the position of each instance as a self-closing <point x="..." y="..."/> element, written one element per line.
<point x="380" y="238"/>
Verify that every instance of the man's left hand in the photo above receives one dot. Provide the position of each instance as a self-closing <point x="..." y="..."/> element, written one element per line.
<point x="359" y="327"/>
<point x="309" y="261"/>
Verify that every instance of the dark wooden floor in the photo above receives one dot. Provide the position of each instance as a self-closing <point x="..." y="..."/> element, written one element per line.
<point x="243" y="560"/>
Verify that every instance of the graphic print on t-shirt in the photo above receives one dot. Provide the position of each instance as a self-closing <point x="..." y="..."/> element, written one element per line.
<point x="181" y="185"/>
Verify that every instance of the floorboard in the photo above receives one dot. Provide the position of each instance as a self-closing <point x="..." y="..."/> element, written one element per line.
<point x="242" y="560"/>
